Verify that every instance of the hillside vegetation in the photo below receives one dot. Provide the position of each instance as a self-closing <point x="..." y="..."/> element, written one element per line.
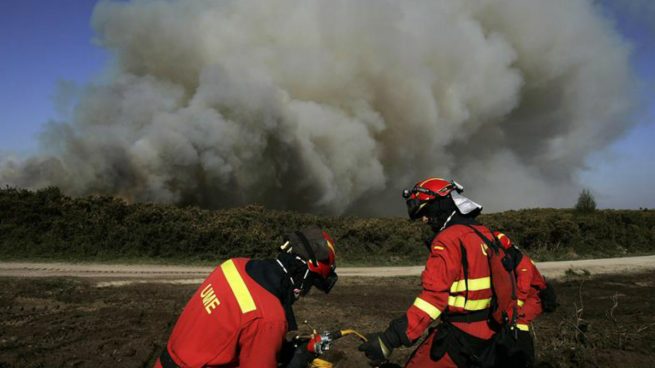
<point x="48" y="225"/>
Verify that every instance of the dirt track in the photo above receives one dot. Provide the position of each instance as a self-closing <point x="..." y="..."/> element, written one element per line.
<point x="193" y="275"/>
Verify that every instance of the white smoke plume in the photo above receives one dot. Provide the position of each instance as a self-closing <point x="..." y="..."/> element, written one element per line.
<point x="335" y="106"/>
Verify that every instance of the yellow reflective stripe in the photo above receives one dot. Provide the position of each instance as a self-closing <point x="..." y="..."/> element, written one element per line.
<point x="473" y="284"/>
<point x="238" y="286"/>
<point x="330" y="245"/>
<point x="428" y="308"/>
<point x="472" y="305"/>
<point x="520" y="303"/>
<point x="522" y="327"/>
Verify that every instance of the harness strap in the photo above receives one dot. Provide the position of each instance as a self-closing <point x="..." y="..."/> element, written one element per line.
<point x="491" y="244"/>
<point x="465" y="269"/>
<point x="477" y="316"/>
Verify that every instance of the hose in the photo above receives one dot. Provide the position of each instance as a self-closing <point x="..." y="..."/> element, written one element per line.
<point x="353" y="332"/>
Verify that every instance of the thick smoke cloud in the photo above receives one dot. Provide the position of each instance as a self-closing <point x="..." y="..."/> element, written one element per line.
<point x="334" y="106"/>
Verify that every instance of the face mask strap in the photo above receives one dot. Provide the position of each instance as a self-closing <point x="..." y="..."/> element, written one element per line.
<point x="447" y="220"/>
<point x="285" y="271"/>
<point x="298" y="291"/>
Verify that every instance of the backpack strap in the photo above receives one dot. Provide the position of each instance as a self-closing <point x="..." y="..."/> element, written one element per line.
<point x="465" y="270"/>
<point x="491" y="244"/>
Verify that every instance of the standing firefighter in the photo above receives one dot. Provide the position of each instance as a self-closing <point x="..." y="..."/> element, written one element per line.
<point x="456" y="286"/>
<point x="240" y="314"/>
<point x="534" y="296"/>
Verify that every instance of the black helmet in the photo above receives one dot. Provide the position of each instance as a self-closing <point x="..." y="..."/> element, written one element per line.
<point x="314" y="249"/>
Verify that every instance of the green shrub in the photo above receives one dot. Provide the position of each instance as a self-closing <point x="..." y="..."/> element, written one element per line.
<point x="49" y="225"/>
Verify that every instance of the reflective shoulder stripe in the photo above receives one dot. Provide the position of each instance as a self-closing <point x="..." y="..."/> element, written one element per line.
<point x="523" y="327"/>
<point x="428" y="308"/>
<point x="238" y="286"/>
<point x="472" y="305"/>
<point x="520" y="302"/>
<point x="473" y="284"/>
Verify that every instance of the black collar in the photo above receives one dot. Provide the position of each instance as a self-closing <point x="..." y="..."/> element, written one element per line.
<point x="269" y="275"/>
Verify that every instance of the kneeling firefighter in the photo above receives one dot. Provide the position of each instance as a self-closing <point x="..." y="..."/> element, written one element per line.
<point x="240" y="314"/>
<point x="456" y="286"/>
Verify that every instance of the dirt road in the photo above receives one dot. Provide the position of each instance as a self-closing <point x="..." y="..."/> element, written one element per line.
<point x="187" y="274"/>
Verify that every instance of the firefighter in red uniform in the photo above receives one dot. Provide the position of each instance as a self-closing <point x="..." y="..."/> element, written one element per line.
<point x="529" y="283"/>
<point x="240" y="314"/>
<point x="456" y="286"/>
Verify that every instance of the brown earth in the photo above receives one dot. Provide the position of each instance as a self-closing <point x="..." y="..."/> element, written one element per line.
<point x="606" y="321"/>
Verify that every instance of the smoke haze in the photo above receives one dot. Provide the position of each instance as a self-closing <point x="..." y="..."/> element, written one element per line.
<point x="335" y="106"/>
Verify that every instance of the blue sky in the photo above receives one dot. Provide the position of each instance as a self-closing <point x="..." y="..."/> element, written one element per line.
<point x="43" y="43"/>
<point x="623" y="176"/>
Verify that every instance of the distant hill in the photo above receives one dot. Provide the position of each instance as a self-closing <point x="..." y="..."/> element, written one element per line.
<point x="49" y="225"/>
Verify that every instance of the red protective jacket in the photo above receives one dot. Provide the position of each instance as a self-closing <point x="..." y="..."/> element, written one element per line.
<point x="529" y="282"/>
<point x="445" y="286"/>
<point x="230" y="321"/>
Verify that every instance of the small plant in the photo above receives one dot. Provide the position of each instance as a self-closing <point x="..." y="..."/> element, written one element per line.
<point x="586" y="202"/>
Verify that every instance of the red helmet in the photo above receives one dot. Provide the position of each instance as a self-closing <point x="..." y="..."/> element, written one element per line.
<point x="426" y="191"/>
<point x="504" y="240"/>
<point x="326" y="266"/>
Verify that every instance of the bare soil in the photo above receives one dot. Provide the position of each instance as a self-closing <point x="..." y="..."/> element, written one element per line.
<point x="605" y="321"/>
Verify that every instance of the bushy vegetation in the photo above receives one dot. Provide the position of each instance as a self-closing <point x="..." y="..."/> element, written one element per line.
<point x="586" y="201"/>
<point x="48" y="225"/>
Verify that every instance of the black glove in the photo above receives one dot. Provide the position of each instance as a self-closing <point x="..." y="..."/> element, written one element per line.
<point x="376" y="349"/>
<point x="301" y="357"/>
<point x="295" y="353"/>
<point x="380" y="345"/>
